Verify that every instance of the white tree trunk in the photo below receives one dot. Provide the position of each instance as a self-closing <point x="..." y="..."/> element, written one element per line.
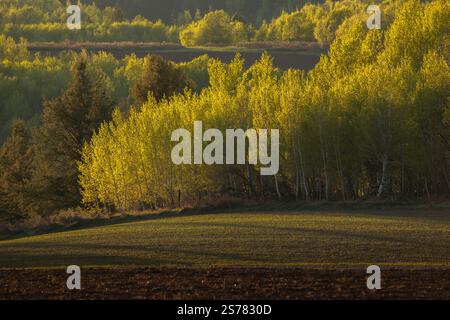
<point x="384" y="177"/>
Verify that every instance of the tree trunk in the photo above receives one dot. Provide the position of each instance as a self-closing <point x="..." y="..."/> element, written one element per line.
<point x="384" y="177"/>
<point x="325" y="166"/>
<point x="250" y="184"/>
<point x="277" y="187"/>
<point x="339" y="168"/>
<point x="297" y="182"/>
<point x="302" y="167"/>
<point x="427" y="190"/>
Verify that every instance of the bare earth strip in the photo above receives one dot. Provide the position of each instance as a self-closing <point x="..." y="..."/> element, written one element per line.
<point x="226" y="283"/>
<point x="237" y="255"/>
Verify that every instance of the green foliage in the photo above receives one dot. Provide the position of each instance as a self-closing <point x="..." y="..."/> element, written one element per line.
<point x="371" y="120"/>
<point x="197" y="71"/>
<point x="265" y="236"/>
<point x="11" y="50"/>
<point x="312" y="22"/>
<point x="327" y="25"/>
<point x="219" y="23"/>
<point x="216" y="28"/>
<point x="161" y="80"/>
<point x="296" y="26"/>
<point x="15" y="173"/>
<point x="24" y="81"/>
<point x="252" y="11"/>
<point x="67" y="123"/>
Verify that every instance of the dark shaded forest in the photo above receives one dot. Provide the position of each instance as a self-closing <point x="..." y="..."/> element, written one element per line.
<point x="252" y="11"/>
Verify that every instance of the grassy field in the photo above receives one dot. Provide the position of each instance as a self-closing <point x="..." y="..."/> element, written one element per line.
<point x="274" y="239"/>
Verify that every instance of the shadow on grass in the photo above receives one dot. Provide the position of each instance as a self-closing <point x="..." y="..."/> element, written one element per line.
<point x="41" y="253"/>
<point x="381" y="209"/>
<point x="86" y="224"/>
<point x="28" y="260"/>
<point x="365" y="236"/>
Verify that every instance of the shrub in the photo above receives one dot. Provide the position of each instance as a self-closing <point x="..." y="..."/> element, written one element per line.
<point x="217" y="28"/>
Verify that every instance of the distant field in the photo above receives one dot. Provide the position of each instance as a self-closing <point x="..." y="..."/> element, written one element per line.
<point x="249" y="239"/>
<point x="284" y="58"/>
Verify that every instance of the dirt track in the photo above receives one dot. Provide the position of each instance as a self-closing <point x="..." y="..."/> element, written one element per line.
<point x="226" y="283"/>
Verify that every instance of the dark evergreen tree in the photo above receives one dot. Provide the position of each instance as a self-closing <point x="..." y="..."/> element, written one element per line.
<point x="15" y="173"/>
<point x="67" y="123"/>
<point x="162" y="78"/>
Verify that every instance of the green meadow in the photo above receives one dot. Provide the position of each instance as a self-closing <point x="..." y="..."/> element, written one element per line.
<point x="276" y="238"/>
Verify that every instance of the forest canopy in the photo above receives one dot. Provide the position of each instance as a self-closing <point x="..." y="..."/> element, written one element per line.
<point x="27" y="80"/>
<point x="370" y="121"/>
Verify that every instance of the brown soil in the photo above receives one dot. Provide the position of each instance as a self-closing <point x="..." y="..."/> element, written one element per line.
<point x="226" y="283"/>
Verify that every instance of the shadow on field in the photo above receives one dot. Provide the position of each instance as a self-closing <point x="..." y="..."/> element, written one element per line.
<point x="313" y="231"/>
<point x="287" y="208"/>
<point x="91" y="258"/>
<point x="133" y="252"/>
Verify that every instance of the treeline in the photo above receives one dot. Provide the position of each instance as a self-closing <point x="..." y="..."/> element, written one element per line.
<point x="38" y="169"/>
<point x="171" y="11"/>
<point x="310" y="23"/>
<point x="372" y="120"/>
<point x="38" y="166"/>
<point x="27" y="80"/>
<point x="43" y="20"/>
<point x="40" y="20"/>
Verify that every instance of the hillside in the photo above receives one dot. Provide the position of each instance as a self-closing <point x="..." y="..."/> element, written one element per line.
<point x="252" y="10"/>
<point x="263" y="239"/>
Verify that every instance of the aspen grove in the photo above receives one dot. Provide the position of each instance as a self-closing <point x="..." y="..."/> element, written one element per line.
<point x="371" y="120"/>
